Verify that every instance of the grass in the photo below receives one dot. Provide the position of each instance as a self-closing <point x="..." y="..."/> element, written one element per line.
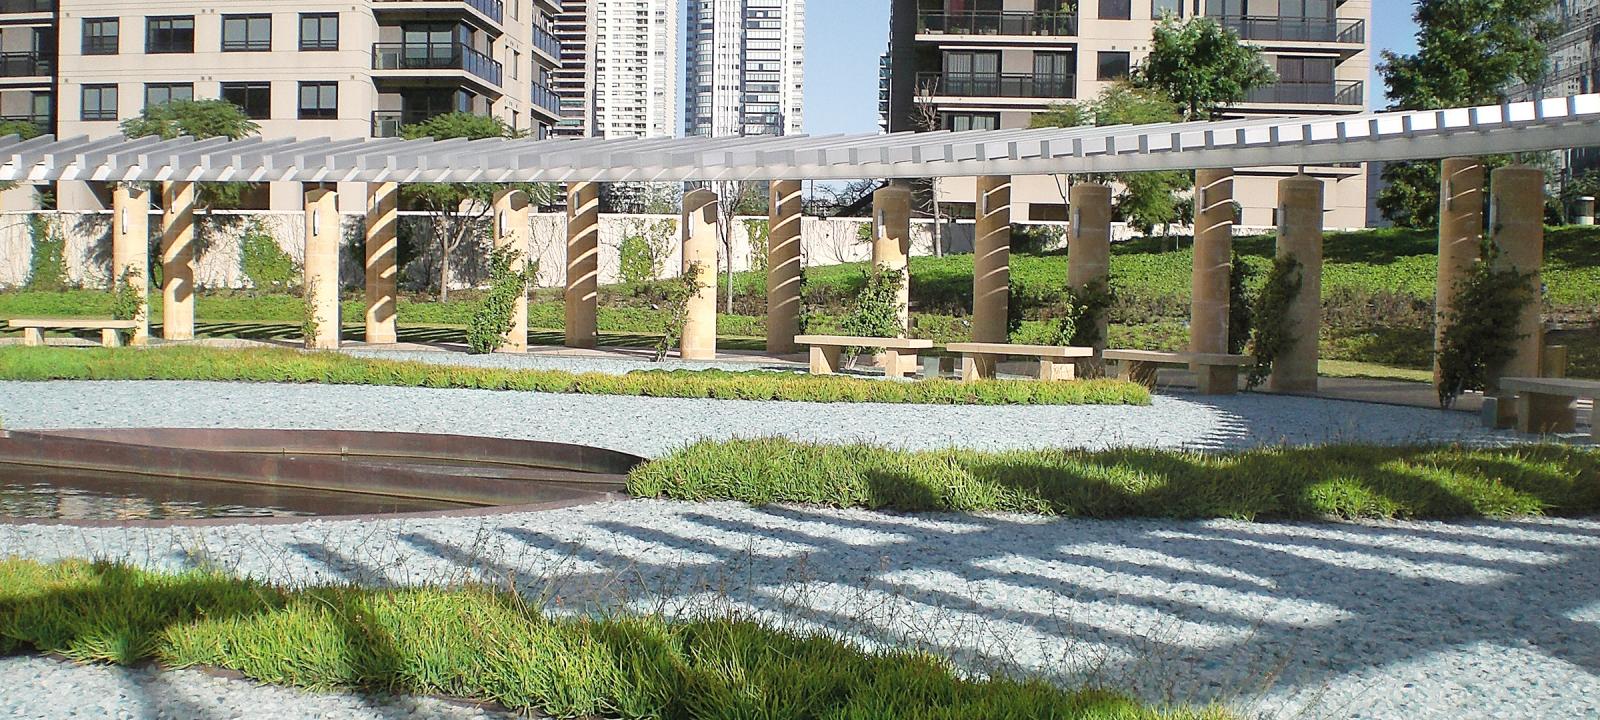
<point x="1371" y="371"/>
<point x="1341" y="481"/>
<point x="292" y="366"/>
<point x="483" y="644"/>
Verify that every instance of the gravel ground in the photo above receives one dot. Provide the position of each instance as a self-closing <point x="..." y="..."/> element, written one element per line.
<point x="1415" y="620"/>
<point x="652" y="426"/>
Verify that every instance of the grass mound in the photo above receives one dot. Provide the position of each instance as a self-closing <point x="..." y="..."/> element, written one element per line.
<point x="1344" y="481"/>
<point x="292" y="366"/>
<point x="478" y="643"/>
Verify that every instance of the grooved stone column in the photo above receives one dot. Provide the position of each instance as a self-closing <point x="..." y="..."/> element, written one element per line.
<point x="1516" y="212"/>
<point x="177" y="260"/>
<point x="383" y="227"/>
<point x="783" y="266"/>
<point x="322" y="266"/>
<point x="991" y="260"/>
<point x="130" y="247"/>
<point x="1300" y="203"/>
<point x="1460" y="227"/>
<point x="700" y="250"/>
<point x="582" y="296"/>
<point x="1089" y="243"/>
<point x="1213" y="260"/>
<point x="891" y="241"/>
<point x="511" y="230"/>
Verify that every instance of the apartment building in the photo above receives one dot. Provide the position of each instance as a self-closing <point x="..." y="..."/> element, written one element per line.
<point x="27" y="61"/>
<point x="1574" y="69"/>
<point x="745" y="67"/>
<point x="574" y="79"/>
<point x="299" y="68"/>
<point x="992" y="64"/>
<point x="635" y="68"/>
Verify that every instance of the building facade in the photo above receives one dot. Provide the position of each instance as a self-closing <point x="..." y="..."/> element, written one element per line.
<point x="1574" y="69"/>
<point x="635" y="68"/>
<point x="744" y="67"/>
<point x="298" y="68"/>
<point x="992" y="64"/>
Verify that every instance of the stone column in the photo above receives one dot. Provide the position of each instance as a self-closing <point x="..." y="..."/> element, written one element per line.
<point x="700" y="255"/>
<point x="1213" y="261"/>
<point x="1516" y="222"/>
<point x="991" y="260"/>
<point x="177" y="260"/>
<point x="783" y="267"/>
<point x="1089" y="243"/>
<point x="322" y="267"/>
<point x="1460" y="229"/>
<point x="582" y="297"/>
<point x="382" y="269"/>
<point x="1300" y="207"/>
<point x="891" y="241"/>
<point x="130" y="247"/>
<point x="511" y="230"/>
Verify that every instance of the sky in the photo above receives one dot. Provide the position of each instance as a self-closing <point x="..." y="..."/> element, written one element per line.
<point x="845" y="37"/>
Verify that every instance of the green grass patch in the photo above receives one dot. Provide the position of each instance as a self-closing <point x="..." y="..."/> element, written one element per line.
<point x="487" y="645"/>
<point x="1346" y="481"/>
<point x="294" y="366"/>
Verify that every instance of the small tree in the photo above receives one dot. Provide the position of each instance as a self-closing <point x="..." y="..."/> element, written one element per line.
<point x="198" y="119"/>
<point x="456" y="208"/>
<point x="734" y="198"/>
<point x="1201" y="66"/>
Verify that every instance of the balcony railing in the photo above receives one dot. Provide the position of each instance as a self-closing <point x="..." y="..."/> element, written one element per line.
<point x="1353" y="32"/>
<point x="973" y="22"/>
<point x="24" y="64"/>
<point x="435" y="56"/>
<point x="8" y="7"/>
<point x="1342" y="92"/>
<point x="546" y="41"/>
<point x="546" y="98"/>
<point x="495" y="9"/>
<point x="1005" y="85"/>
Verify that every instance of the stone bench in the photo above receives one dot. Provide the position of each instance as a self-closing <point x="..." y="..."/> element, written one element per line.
<point x="1055" y="361"/>
<point x="1217" y="373"/>
<point x="1544" y="405"/>
<point x="899" y="353"/>
<point x="33" y="328"/>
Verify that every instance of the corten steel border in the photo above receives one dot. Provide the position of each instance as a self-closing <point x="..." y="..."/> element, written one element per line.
<point x="496" y="475"/>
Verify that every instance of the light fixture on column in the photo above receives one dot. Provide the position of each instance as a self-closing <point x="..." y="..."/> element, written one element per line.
<point x="316" y="223"/>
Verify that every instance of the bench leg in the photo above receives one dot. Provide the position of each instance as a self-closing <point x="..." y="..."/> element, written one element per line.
<point x="1539" y="413"/>
<point x="825" y="359"/>
<point x="1217" y="379"/>
<point x="894" y="364"/>
<point x="33" y="337"/>
<point x="111" y="338"/>
<point x="976" y="366"/>
<point x="1056" y="370"/>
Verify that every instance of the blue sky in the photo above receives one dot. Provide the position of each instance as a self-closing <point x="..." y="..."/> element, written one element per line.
<point x="845" y="37"/>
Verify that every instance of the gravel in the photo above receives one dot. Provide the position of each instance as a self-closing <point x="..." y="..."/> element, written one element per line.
<point x="652" y="426"/>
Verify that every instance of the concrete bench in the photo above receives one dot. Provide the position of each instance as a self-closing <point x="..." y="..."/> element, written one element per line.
<point x="1055" y="361"/>
<point x="1217" y="373"/>
<point x="33" y="329"/>
<point x="899" y="353"/>
<point x="1544" y="405"/>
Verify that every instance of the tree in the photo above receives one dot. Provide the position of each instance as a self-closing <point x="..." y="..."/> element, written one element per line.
<point x="198" y="119"/>
<point x="456" y="208"/>
<point x="734" y="198"/>
<point x="22" y="129"/>
<point x="1201" y="66"/>
<point x="1468" y="53"/>
<point x="1145" y="199"/>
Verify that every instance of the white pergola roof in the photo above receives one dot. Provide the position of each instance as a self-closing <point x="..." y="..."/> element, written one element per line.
<point x="1551" y="124"/>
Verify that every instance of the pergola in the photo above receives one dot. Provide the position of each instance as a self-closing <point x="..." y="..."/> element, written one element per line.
<point x="1214" y="149"/>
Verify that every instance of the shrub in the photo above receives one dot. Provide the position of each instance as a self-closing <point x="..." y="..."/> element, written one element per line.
<point x="310" y="326"/>
<point x="267" y="266"/>
<point x="675" y="307"/>
<point x="634" y="261"/>
<point x="876" y="310"/>
<point x="1480" y="335"/>
<point x="1081" y="313"/>
<point x="1240" y="318"/>
<point x="486" y="332"/>
<point x="128" y="299"/>
<point x="1271" y="336"/>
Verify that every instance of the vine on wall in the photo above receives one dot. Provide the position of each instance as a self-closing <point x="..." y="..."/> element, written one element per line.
<point x="875" y="312"/>
<point x="486" y="331"/>
<point x="1240" y="317"/>
<point x="1271" y="335"/>
<point x="675" y="306"/>
<point x="128" y="301"/>
<point x="48" y="270"/>
<point x="1083" y="309"/>
<point x="1479" y="336"/>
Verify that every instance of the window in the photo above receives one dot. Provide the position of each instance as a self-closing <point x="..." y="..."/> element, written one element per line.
<point x="101" y="36"/>
<point x="162" y="93"/>
<point x="319" y="31"/>
<point x="1159" y="8"/>
<point x="246" y="33"/>
<point x="1308" y="70"/>
<point x="254" y="98"/>
<point x="1116" y="9"/>
<point x="99" y="102"/>
<point x="169" y="34"/>
<point x="971" y="121"/>
<point x="319" y="100"/>
<point x="1113" y="65"/>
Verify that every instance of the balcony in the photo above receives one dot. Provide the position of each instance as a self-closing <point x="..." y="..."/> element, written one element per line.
<point x="1341" y="92"/>
<point x="547" y="43"/>
<point x="546" y="98"/>
<point x="436" y="56"/>
<point x="1004" y="85"/>
<point x="15" y="7"/>
<point x="25" y="64"/>
<point x="495" y="10"/>
<point x="972" y="22"/>
<point x="1276" y="29"/>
